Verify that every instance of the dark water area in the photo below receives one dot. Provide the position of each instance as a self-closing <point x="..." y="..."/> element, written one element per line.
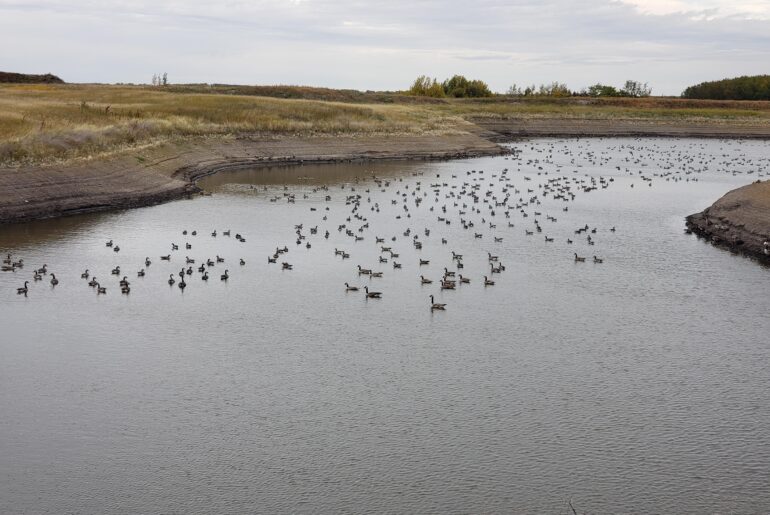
<point x="637" y="385"/>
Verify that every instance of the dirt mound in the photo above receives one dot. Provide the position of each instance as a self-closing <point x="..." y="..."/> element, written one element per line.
<point x="740" y="220"/>
<point x="25" y="78"/>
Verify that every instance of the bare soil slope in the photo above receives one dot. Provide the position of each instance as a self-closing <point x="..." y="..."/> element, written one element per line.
<point x="740" y="220"/>
<point x="168" y="171"/>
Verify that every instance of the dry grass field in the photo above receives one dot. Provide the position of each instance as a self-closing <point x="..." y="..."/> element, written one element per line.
<point x="44" y="122"/>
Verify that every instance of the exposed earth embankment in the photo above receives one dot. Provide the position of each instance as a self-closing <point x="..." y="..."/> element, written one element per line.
<point x="142" y="177"/>
<point x="739" y="221"/>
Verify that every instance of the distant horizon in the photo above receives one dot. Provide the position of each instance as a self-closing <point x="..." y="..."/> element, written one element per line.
<point x="312" y="86"/>
<point x="368" y="46"/>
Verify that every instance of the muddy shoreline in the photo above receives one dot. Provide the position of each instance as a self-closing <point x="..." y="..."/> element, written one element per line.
<point x="738" y="222"/>
<point x="144" y="177"/>
<point x="167" y="171"/>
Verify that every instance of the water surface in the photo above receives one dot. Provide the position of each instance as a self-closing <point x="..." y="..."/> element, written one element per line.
<point x="637" y="385"/>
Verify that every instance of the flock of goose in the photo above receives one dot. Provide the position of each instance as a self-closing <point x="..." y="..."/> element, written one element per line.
<point x="488" y="206"/>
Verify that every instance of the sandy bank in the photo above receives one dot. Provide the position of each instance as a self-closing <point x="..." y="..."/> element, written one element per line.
<point x="739" y="221"/>
<point x="144" y="177"/>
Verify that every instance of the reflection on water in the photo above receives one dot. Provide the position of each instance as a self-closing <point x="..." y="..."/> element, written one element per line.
<point x="634" y="385"/>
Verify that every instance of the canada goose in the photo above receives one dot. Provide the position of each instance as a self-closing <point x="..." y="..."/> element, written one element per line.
<point x="182" y="285"/>
<point x="447" y="273"/>
<point x="396" y="265"/>
<point x="363" y="271"/>
<point x="448" y="285"/>
<point x="464" y="280"/>
<point x="491" y="257"/>
<point x="100" y="290"/>
<point x="124" y="281"/>
<point x="54" y="280"/>
<point x="171" y="279"/>
<point x="272" y="259"/>
<point x="205" y="276"/>
<point x="424" y="262"/>
<point x="434" y="306"/>
<point x="209" y="262"/>
<point x="43" y="269"/>
<point x="383" y="260"/>
<point x="376" y="274"/>
<point x="109" y="243"/>
<point x="116" y="270"/>
<point x="24" y="289"/>
<point x="125" y="289"/>
<point x="243" y="262"/>
<point x="140" y="273"/>
<point x="372" y="294"/>
<point x="7" y="261"/>
<point x="166" y="258"/>
<point x="219" y="259"/>
<point x="423" y="280"/>
<point x="187" y="246"/>
<point x="214" y="234"/>
<point x="116" y="249"/>
<point x="225" y="276"/>
<point x="92" y="283"/>
<point x="189" y="270"/>
<point x="598" y="260"/>
<point x="202" y="268"/>
<point x="350" y="288"/>
<point x="174" y="246"/>
<point x="488" y="282"/>
<point x="189" y="261"/>
<point x="147" y="261"/>
<point x="84" y="275"/>
<point x="226" y="233"/>
<point x="579" y="259"/>
<point x="37" y="277"/>
<point x="287" y="266"/>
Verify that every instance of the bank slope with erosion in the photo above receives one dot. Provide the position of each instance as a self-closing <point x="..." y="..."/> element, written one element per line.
<point x="739" y="221"/>
<point x="142" y="177"/>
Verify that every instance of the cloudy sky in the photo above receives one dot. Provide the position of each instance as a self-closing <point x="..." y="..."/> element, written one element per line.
<point x="363" y="44"/>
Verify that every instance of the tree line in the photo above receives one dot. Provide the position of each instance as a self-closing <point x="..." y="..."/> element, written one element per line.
<point x="460" y="87"/>
<point x="457" y="87"/>
<point x="756" y="87"/>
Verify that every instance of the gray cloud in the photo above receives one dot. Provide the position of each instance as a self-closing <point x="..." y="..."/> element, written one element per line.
<point x="384" y="45"/>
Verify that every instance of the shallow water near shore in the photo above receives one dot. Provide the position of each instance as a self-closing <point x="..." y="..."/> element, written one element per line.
<point x="639" y="384"/>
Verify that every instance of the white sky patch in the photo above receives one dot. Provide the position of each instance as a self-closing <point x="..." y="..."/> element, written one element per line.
<point x="703" y="9"/>
<point x="384" y="45"/>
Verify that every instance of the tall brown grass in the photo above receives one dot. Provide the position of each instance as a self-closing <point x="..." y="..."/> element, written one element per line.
<point x="40" y="122"/>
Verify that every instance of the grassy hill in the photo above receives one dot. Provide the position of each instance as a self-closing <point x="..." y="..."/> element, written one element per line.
<point x="44" y="122"/>
<point x="23" y="78"/>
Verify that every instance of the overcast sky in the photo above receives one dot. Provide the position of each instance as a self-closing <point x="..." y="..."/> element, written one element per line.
<point x="381" y="45"/>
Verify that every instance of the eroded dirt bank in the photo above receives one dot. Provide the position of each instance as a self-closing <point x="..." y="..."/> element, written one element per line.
<point x="739" y="221"/>
<point x="138" y="177"/>
<point x="141" y="177"/>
